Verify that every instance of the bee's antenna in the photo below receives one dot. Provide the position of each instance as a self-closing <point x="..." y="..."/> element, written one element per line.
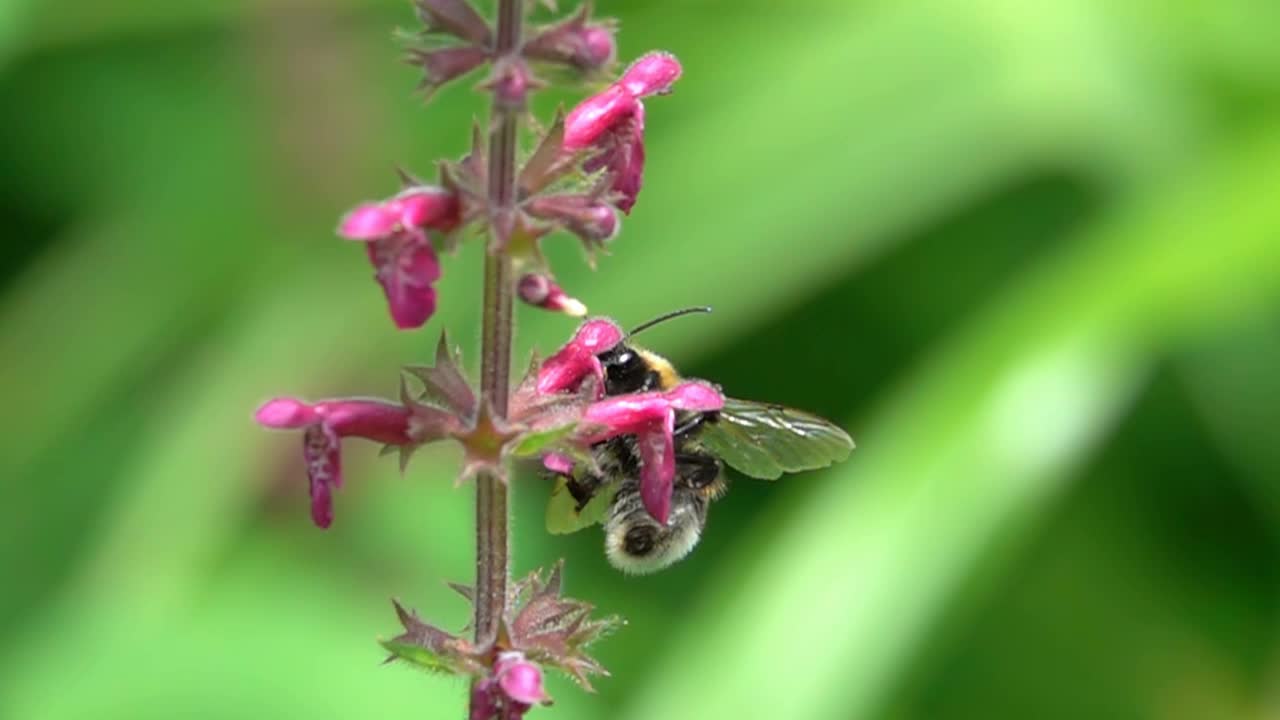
<point x="669" y="316"/>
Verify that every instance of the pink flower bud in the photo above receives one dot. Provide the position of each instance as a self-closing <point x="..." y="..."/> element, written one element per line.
<point x="654" y="73"/>
<point x="511" y="83"/>
<point x="584" y="216"/>
<point x="541" y="291"/>
<point x="520" y="679"/>
<point x="598" y="49"/>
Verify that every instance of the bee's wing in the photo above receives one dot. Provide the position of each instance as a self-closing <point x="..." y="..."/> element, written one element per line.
<point x="764" y="441"/>
<point x="563" y="516"/>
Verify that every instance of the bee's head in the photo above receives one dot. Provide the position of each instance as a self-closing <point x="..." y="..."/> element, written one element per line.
<point x="625" y="371"/>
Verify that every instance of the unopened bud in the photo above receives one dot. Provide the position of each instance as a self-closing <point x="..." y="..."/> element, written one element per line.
<point x="541" y="291"/>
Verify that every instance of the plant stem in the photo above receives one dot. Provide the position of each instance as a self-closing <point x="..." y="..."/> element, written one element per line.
<point x="492" y="551"/>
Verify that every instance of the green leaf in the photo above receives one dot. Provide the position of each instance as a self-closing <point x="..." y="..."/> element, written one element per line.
<point x="533" y="443"/>
<point x="563" y="515"/>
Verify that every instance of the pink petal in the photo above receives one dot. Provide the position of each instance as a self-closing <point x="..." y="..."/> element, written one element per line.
<point x="653" y="73"/>
<point x="285" y="413"/>
<point x="321" y="451"/>
<point x="626" y="414"/>
<point x="577" y="359"/>
<point x="428" y="207"/>
<point x="595" y="116"/>
<point x="520" y="679"/>
<point x="695" y="395"/>
<point x="406" y="266"/>
<point x="369" y="221"/>
<point x="597" y="336"/>
<point x="658" y="468"/>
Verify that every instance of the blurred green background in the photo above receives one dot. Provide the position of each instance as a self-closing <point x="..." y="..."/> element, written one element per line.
<point x="1027" y="252"/>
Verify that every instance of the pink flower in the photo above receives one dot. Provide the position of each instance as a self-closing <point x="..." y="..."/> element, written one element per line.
<point x="520" y="679"/>
<point x="514" y="687"/>
<point x="651" y="418"/>
<point x="590" y="219"/>
<point x="612" y="123"/>
<point x="396" y="232"/>
<point x="325" y="424"/>
<point x="575" y="42"/>
<point x="577" y="359"/>
<point x="541" y="291"/>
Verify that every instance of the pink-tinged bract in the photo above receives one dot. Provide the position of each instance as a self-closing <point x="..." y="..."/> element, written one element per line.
<point x="654" y="73"/>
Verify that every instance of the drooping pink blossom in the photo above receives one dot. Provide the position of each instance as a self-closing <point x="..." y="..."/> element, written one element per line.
<point x="611" y="123"/>
<point x="325" y="424"/>
<point x="566" y="369"/>
<point x="399" y="247"/>
<point x="650" y="416"/>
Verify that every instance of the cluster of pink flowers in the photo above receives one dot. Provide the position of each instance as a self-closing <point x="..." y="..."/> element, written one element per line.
<point x="585" y="172"/>
<point x="649" y="416"/>
<point x="603" y="135"/>
<point x="568" y="390"/>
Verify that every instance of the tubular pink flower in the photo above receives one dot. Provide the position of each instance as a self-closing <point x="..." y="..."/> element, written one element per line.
<point x="325" y="424"/>
<point x="651" y="418"/>
<point x="577" y="359"/>
<point x="541" y="291"/>
<point x="612" y="122"/>
<point x="405" y="263"/>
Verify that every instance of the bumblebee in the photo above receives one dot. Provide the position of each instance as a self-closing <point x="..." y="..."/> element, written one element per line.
<point x="759" y="440"/>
